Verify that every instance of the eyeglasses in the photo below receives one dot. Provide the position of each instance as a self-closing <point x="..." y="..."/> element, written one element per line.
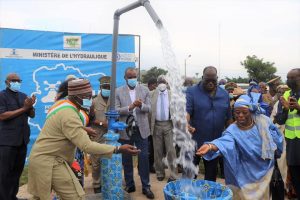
<point x="16" y="80"/>
<point x="210" y="79"/>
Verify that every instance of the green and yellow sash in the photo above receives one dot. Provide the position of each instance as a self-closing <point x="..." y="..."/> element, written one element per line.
<point x="64" y="104"/>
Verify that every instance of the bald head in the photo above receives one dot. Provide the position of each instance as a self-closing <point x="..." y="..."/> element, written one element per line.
<point x="293" y="79"/>
<point x="12" y="77"/>
<point x="209" y="78"/>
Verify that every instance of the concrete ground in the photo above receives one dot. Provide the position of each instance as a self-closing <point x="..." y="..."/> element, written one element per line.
<point x="156" y="187"/>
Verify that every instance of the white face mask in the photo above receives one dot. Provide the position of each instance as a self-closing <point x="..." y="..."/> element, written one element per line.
<point x="162" y="87"/>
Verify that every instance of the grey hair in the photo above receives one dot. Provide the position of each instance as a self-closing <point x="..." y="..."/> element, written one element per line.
<point x="161" y="78"/>
<point x="129" y="69"/>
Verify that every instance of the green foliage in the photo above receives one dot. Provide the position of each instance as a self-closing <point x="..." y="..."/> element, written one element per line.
<point x="237" y="80"/>
<point x="258" y="69"/>
<point x="154" y="72"/>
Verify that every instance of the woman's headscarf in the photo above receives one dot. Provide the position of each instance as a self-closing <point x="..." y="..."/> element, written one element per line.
<point x="251" y="102"/>
<point x="262" y="122"/>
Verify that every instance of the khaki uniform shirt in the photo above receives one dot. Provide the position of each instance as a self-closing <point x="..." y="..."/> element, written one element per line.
<point x="100" y="108"/>
<point x="61" y="133"/>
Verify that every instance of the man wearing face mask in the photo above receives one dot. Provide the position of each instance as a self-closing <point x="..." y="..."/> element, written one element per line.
<point x="53" y="152"/>
<point x="15" y="108"/>
<point x="291" y="118"/>
<point x="99" y="107"/>
<point x="162" y="130"/>
<point x="134" y="99"/>
<point x="208" y="113"/>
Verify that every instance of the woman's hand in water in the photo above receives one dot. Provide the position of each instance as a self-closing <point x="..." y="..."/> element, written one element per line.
<point x="205" y="148"/>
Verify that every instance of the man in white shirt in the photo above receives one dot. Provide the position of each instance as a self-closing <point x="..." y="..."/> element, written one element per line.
<point x="162" y="130"/>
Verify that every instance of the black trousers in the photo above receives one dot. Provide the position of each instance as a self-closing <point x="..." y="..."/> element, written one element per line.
<point x="210" y="167"/>
<point x="295" y="176"/>
<point x="151" y="151"/>
<point x="12" y="160"/>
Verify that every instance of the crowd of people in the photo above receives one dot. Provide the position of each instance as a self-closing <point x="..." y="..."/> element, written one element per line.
<point x="253" y="135"/>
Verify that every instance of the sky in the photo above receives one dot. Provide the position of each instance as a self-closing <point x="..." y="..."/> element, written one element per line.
<point x="214" y="32"/>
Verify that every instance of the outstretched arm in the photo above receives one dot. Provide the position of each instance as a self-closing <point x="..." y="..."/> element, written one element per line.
<point x="205" y="148"/>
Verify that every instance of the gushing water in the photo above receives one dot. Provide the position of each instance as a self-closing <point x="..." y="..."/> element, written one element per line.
<point x="178" y="107"/>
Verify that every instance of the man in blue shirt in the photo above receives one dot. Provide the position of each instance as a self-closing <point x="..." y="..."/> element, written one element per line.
<point x="15" y="108"/>
<point x="208" y="113"/>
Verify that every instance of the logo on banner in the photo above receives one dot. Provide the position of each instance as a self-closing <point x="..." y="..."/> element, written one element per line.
<point x="72" y="42"/>
<point x="126" y="57"/>
<point x="13" y="54"/>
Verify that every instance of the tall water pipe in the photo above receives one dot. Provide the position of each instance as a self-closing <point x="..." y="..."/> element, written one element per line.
<point x="108" y="179"/>
<point x="117" y="15"/>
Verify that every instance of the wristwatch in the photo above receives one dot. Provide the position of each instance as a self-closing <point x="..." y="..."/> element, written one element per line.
<point x="116" y="150"/>
<point x="100" y="123"/>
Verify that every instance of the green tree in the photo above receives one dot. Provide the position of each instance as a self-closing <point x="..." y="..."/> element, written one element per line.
<point x="258" y="69"/>
<point x="154" y="72"/>
<point x="237" y="80"/>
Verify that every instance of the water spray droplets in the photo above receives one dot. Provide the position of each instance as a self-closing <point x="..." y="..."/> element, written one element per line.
<point x="178" y="108"/>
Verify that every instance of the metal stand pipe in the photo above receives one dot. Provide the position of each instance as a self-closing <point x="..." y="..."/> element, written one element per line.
<point x="117" y="14"/>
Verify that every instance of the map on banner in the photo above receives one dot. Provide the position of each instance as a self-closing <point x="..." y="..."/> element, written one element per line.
<point x="45" y="59"/>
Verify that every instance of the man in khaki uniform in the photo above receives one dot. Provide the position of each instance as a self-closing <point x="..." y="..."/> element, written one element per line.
<point x="54" y="149"/>
<point x="100" y="106"/>
<point x="271" y="96"/>
<point x="162" y="130"/>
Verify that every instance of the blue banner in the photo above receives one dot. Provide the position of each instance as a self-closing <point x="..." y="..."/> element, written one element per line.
<point x="44" y="59"/>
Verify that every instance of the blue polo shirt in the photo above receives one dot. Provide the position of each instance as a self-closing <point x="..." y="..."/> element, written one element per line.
<point x="15" y="131"/>
<point x="208" y="114"/>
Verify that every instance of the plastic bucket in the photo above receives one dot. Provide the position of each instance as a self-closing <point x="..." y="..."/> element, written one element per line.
<point x="186" y="189"/>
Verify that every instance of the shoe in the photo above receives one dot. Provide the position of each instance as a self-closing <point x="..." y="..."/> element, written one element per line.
<point x="97" y="190"/>
<point x="130" y="189"/>
<point x="160" y="178"/>
<point x="152" y="170"/>
<point x="148" y="193"/>
<point x="170" y="180"/>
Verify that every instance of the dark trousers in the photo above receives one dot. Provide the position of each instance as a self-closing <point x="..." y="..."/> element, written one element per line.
<point x="210" y="167"/>
<point x="221" y="164"/>
<point x="143" y="161"/>
<point x="295" y="176"/>
<point x="12" y="160"/>
<point x="151" y="151"/>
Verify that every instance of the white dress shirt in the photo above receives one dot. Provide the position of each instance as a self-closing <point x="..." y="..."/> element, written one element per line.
<point x="133" y="98"/>
<point x="166" y="106"/>
<point x="132" y="95"/>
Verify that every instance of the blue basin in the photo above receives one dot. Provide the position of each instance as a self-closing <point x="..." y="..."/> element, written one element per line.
<point x="186" y="189"/>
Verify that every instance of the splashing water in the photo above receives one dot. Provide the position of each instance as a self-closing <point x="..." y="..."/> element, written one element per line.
<point x="178" y="107"/>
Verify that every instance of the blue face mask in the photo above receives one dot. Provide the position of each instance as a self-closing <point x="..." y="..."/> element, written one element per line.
<point x="132" y="82"/>
<point x="15" y="86"/>
<point x="231" y="96"/>
<point x="105" y="92"/>
<point x="86" y="103"/>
